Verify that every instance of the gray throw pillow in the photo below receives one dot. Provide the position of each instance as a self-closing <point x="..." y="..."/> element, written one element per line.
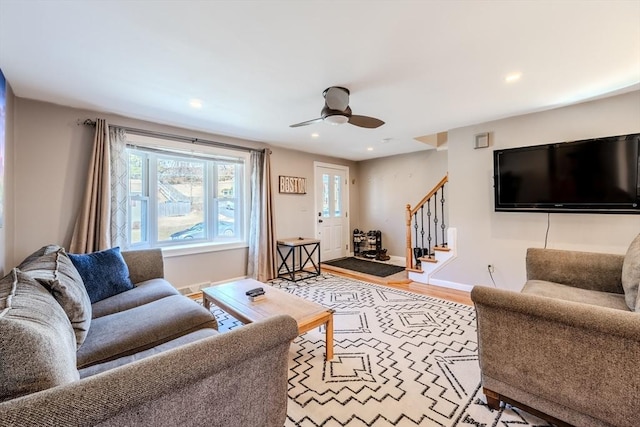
<point x="37" y="343"/>
<point x="56" y="272"/>
<point x="631" y="275"/>
<point x="45" y="250"/>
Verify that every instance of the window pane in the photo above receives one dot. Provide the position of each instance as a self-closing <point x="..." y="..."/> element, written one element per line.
<point x="325" y="195"/>
<point x="180" y="199"/>
<point x="337" y="192"/>
<point x="138" y="222"/>
<point x="135" y="174"/>
<point x="138" y="200"/>
<point x="226" y="195"/>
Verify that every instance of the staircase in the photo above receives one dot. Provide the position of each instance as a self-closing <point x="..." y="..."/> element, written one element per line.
<point x="430" y="243"/>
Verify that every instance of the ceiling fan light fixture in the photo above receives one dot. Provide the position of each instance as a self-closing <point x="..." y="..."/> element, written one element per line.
<point x="336" y="119"/>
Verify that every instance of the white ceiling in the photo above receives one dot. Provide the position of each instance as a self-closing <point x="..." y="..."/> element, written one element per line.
<point x="258" y="66"/>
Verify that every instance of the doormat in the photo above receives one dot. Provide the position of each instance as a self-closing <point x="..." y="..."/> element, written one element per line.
<point x="363" y="266"/>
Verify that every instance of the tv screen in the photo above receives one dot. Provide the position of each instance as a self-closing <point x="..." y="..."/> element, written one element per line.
<point x="594" y="175"/>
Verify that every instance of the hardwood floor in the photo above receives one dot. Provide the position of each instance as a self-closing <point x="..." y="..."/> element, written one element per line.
<point x="401" y="281"/>
<point x="398" y="281"/>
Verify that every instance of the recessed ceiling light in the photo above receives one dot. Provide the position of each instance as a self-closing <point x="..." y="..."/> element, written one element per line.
<point x="315" y="135"/>
<point x="513" y="77"/>
<point x="369" y="148"/>
<point x="195" y="103"/>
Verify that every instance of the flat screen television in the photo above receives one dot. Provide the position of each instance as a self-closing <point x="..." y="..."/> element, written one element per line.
<point x="600" y="175"/>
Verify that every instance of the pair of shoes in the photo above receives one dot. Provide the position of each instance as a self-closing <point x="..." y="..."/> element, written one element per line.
<point x="382" y="255"/>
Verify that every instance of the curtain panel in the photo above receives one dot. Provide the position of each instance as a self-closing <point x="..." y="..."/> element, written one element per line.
<point x="92" y="229"/>
<point x="262" y="242"/>
<point x="102" y="220"/>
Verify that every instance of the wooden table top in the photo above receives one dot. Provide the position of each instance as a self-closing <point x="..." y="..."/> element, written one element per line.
<point x="297" y="241"/>
<point x="231" y="298"/>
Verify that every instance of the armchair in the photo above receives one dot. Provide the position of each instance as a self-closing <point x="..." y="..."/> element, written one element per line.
<point x="566" y="348"/>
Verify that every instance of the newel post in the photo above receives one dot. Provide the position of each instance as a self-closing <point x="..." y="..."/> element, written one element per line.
<point x="409" y="251"/>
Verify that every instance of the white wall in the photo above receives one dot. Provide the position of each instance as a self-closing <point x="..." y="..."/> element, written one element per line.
<point x="295" y="216"/>
<point x="388" y="184"/>
<point x="50" y="165"/>
<point x="487" y="237"/>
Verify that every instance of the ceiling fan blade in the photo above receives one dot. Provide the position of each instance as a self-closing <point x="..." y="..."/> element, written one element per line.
<point x="365" y="121"/>
<point x="308" y="122"/>
<point x="336" y="98"/>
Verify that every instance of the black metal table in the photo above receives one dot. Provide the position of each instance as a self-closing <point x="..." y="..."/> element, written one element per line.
<point x="287" y="249"/>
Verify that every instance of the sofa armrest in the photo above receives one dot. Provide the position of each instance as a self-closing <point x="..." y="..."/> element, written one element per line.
<point x="235" y="378"/>
<point x="578" y="356"/>
<point x="587" y="270"/>
<point x="144" y="264"/>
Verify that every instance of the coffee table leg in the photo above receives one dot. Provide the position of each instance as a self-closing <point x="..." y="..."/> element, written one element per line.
<point x="329" y="337"/>
<point x="205" y="301"/>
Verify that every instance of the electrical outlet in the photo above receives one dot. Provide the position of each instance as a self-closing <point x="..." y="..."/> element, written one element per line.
<point x="490" y="268"/>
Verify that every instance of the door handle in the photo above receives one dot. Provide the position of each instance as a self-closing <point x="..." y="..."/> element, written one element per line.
<point x="319" y="221"/>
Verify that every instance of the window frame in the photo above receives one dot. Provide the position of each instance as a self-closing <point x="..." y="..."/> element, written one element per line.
<point x="152" y="149"/>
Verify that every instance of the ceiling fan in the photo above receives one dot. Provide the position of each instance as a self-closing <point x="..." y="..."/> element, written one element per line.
<point x="336" y="111"/>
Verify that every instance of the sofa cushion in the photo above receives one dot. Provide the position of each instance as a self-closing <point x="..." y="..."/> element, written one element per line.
<point x="180" y="341"/>
<point x="142" y="293"/>
<point x="569" y="293"/>
<point x="104" y="273"/>
<point x="631" y="275"/>
<point x="37" y="342"/>
<point x="55" y="271"/>
<point x="143" y="327"/>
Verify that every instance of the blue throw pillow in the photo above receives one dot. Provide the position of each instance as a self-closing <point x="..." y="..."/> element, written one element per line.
<point x="104" y="273"/>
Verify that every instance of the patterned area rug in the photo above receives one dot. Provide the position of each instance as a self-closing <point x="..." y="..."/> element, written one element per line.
<point x="400" y="359"/>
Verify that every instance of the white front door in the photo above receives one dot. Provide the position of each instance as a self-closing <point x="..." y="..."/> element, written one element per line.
<point x="332" y="201"/>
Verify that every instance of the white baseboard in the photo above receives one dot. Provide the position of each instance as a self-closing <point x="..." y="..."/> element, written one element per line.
<point x="451" y="285"/>
<point x="197" y="287"/>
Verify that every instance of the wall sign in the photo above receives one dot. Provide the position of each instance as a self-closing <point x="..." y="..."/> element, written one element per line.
<point x="293" y="185"/>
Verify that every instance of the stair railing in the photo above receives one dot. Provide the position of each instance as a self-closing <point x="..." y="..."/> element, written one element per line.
<point x="417" y="251"/>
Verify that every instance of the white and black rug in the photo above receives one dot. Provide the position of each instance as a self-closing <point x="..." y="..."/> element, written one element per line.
<point x="400" y="359"/>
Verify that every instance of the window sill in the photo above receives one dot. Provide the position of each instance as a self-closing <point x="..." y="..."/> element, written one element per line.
<point x="199" y="248"/>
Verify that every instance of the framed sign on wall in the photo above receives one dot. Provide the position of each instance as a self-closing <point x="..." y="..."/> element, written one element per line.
<point x="293" y="185"/>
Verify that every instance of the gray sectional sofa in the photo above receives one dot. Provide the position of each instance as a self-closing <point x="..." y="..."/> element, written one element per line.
<point x="567" y="347"/>
<point x="144" y="356"/>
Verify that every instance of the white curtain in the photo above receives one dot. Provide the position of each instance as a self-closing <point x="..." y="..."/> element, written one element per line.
<point x="262" y="242"/>
<point x="119" y="187"/>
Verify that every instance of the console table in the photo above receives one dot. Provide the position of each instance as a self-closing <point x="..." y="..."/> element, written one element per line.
<point x="289" y="248"/>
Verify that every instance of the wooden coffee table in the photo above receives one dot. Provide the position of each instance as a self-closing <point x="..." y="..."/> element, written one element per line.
<point x="231" y="298"/>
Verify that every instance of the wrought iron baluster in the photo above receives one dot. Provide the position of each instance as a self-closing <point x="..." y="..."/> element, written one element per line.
<point x="442" y="225"/>
<point x="435" y="217"/>
<point x="429" y="227"/>
<point x="422" y="227"/>
<point x="417" y="252"/>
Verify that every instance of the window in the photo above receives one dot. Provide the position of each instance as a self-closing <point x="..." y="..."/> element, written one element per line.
<point x="178" y="198"/>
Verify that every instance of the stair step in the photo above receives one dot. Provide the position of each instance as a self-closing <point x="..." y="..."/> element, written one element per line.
<point x="441" y="248"/>
<point x="414" y="270"/>
<point x="427" y="259"/>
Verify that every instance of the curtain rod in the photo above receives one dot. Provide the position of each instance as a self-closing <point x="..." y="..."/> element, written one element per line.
<point x="144" y="132"/>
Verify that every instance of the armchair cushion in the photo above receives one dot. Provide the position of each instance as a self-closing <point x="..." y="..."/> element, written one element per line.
<point x="571" y="293"/>
<point x="104" y="273"/>
<point x="631" y="275"/>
